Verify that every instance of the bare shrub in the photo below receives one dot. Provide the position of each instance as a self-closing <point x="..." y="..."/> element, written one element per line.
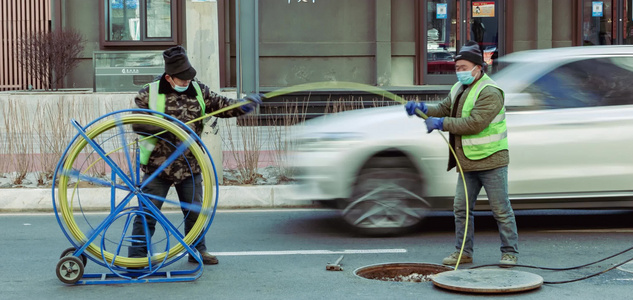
<point x="84" y="114"/>
<point x="245" y="145"/>
<point x="5" y="153"/>
<point x="20" y="140"/>
<point x="351" y="102"/>
<point x="48" y="152"/>
<point x="280" y="136"/>
<point x="50" y="56"/>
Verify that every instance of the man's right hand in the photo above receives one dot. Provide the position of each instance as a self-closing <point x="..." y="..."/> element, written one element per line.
<point x="412" y="105"/>
<point x="254" y="100"/>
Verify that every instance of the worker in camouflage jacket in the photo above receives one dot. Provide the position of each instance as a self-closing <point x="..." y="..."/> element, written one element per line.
<point x="179" y="95"/>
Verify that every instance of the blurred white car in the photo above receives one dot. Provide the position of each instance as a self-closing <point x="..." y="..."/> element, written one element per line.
<point x="570" y="131"/>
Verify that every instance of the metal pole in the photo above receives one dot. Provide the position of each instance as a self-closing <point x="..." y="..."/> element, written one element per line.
<point x="238" y="48"/>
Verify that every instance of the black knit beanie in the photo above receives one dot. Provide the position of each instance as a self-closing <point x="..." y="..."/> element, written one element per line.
<point x="471" y="52"/>
<point x="177" y="64"/>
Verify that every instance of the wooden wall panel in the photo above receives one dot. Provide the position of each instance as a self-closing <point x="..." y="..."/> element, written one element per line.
<point x="18" y="19"/>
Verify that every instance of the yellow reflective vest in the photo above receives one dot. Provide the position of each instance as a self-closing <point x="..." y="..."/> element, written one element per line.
<point x="494" y="137"/>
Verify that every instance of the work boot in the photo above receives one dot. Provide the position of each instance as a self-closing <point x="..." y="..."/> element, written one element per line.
<point x="451" y="260"/>
<point x="207" y="258"/>
<point x="508" y="260"/>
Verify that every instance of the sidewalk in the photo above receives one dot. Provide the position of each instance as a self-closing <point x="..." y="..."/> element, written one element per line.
<point x="97" y="199"/>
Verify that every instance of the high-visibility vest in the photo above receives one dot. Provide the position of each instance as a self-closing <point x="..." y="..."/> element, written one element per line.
<point x="157" y="103"/>
<point x="493" y="138"/>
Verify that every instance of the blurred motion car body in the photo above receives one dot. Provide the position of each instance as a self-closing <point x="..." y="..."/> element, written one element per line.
<point x="570" y="131"/>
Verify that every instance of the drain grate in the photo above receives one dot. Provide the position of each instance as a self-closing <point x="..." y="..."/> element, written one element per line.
<point x="401" y="272"/>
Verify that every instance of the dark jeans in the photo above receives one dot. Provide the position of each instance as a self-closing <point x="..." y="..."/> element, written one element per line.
<point x="495" y="182"/>
<point x="189" y="191"/>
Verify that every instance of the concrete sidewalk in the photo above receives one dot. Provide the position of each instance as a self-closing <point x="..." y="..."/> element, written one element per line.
<point x="98" y="199"/>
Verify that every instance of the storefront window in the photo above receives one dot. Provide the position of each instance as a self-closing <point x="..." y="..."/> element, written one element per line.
<point x="139" y="21"/>
<point x="441" y="36"/>
<point x="158" y="18"/>
<point x="124" y="20"/>
<point x="597" y="26"/>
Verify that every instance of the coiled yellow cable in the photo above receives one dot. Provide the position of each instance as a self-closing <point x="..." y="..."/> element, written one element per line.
<point x="207" y="200"/>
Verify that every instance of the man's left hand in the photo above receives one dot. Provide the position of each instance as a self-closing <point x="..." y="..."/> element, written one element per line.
<point x="433" y="123"/>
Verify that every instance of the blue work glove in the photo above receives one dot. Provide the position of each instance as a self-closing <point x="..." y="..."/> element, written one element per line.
<point x="254" y="100"/>
<point x="433" y="123"/>
<point x="412" y="105"/>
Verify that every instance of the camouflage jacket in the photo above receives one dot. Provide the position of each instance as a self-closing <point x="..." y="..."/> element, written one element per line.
<point x="185" y="107"/>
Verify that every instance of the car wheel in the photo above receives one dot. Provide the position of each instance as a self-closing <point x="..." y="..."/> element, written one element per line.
<point x="386" y="198"/>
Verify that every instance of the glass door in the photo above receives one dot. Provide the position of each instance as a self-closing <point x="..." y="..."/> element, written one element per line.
<point x="598" y="26"/>
<point x="449" y="24"/>
<point x="442" y="36"/>
<point x="626" y="22"/>
<point x="483" y="19"/>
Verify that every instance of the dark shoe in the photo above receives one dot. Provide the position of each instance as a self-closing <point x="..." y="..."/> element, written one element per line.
<point x="207" y="258"/>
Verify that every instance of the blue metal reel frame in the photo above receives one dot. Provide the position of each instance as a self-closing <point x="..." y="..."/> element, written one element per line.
<point x="144" y="205"/>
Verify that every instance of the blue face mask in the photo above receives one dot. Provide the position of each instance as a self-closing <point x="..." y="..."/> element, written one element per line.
<point x="180" y="89"/>
<point x="466" y="77"/>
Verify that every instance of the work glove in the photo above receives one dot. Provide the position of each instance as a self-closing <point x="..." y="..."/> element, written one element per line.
<point x="433" y="123"/>
<point x="412" y="105"/>
<point x="253" y="100"/>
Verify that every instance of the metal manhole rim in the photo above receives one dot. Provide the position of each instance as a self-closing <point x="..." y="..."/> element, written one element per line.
<point x="403" y="264"/>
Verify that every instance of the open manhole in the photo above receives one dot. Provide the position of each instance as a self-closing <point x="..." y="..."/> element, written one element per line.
<point x="402" y="272"/>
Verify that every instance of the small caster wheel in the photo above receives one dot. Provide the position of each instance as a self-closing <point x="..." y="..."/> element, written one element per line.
<point x="70" y="251"/>
<point x="69" y="269"/>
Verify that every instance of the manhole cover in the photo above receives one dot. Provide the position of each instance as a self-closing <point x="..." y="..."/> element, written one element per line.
<point x="403" y="272"/>
<point x="488" y="281"/>
<point x="627" y="267"/>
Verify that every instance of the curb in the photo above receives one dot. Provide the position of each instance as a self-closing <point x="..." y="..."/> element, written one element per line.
<point x="98" y="199"/>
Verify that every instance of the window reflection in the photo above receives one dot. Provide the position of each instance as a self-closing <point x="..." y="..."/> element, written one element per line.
<point x="597" y="26"/>
<point x="158" y="18"/>
<point x="124" y="20"/>
<point x="441" y="36"/>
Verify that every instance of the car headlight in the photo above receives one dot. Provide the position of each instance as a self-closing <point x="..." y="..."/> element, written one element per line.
<point x="327" y="141"/>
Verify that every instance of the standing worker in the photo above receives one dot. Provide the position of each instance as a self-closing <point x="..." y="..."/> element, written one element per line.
<point x="474" y="115"/>
<point x="178" y="95"/>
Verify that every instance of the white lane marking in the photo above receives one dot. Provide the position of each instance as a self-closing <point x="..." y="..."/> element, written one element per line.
<point x="309" y="252"/>
<point x="589" y="230"/>
<point x="174" y="210"/>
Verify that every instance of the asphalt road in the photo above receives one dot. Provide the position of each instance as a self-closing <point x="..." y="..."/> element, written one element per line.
<point x="282" y="254"/>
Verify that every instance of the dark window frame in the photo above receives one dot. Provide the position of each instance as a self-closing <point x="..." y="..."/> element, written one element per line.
<point x="177" y="27"/>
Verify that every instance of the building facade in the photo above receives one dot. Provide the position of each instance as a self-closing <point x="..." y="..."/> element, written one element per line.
<point x="269" y="44"/>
